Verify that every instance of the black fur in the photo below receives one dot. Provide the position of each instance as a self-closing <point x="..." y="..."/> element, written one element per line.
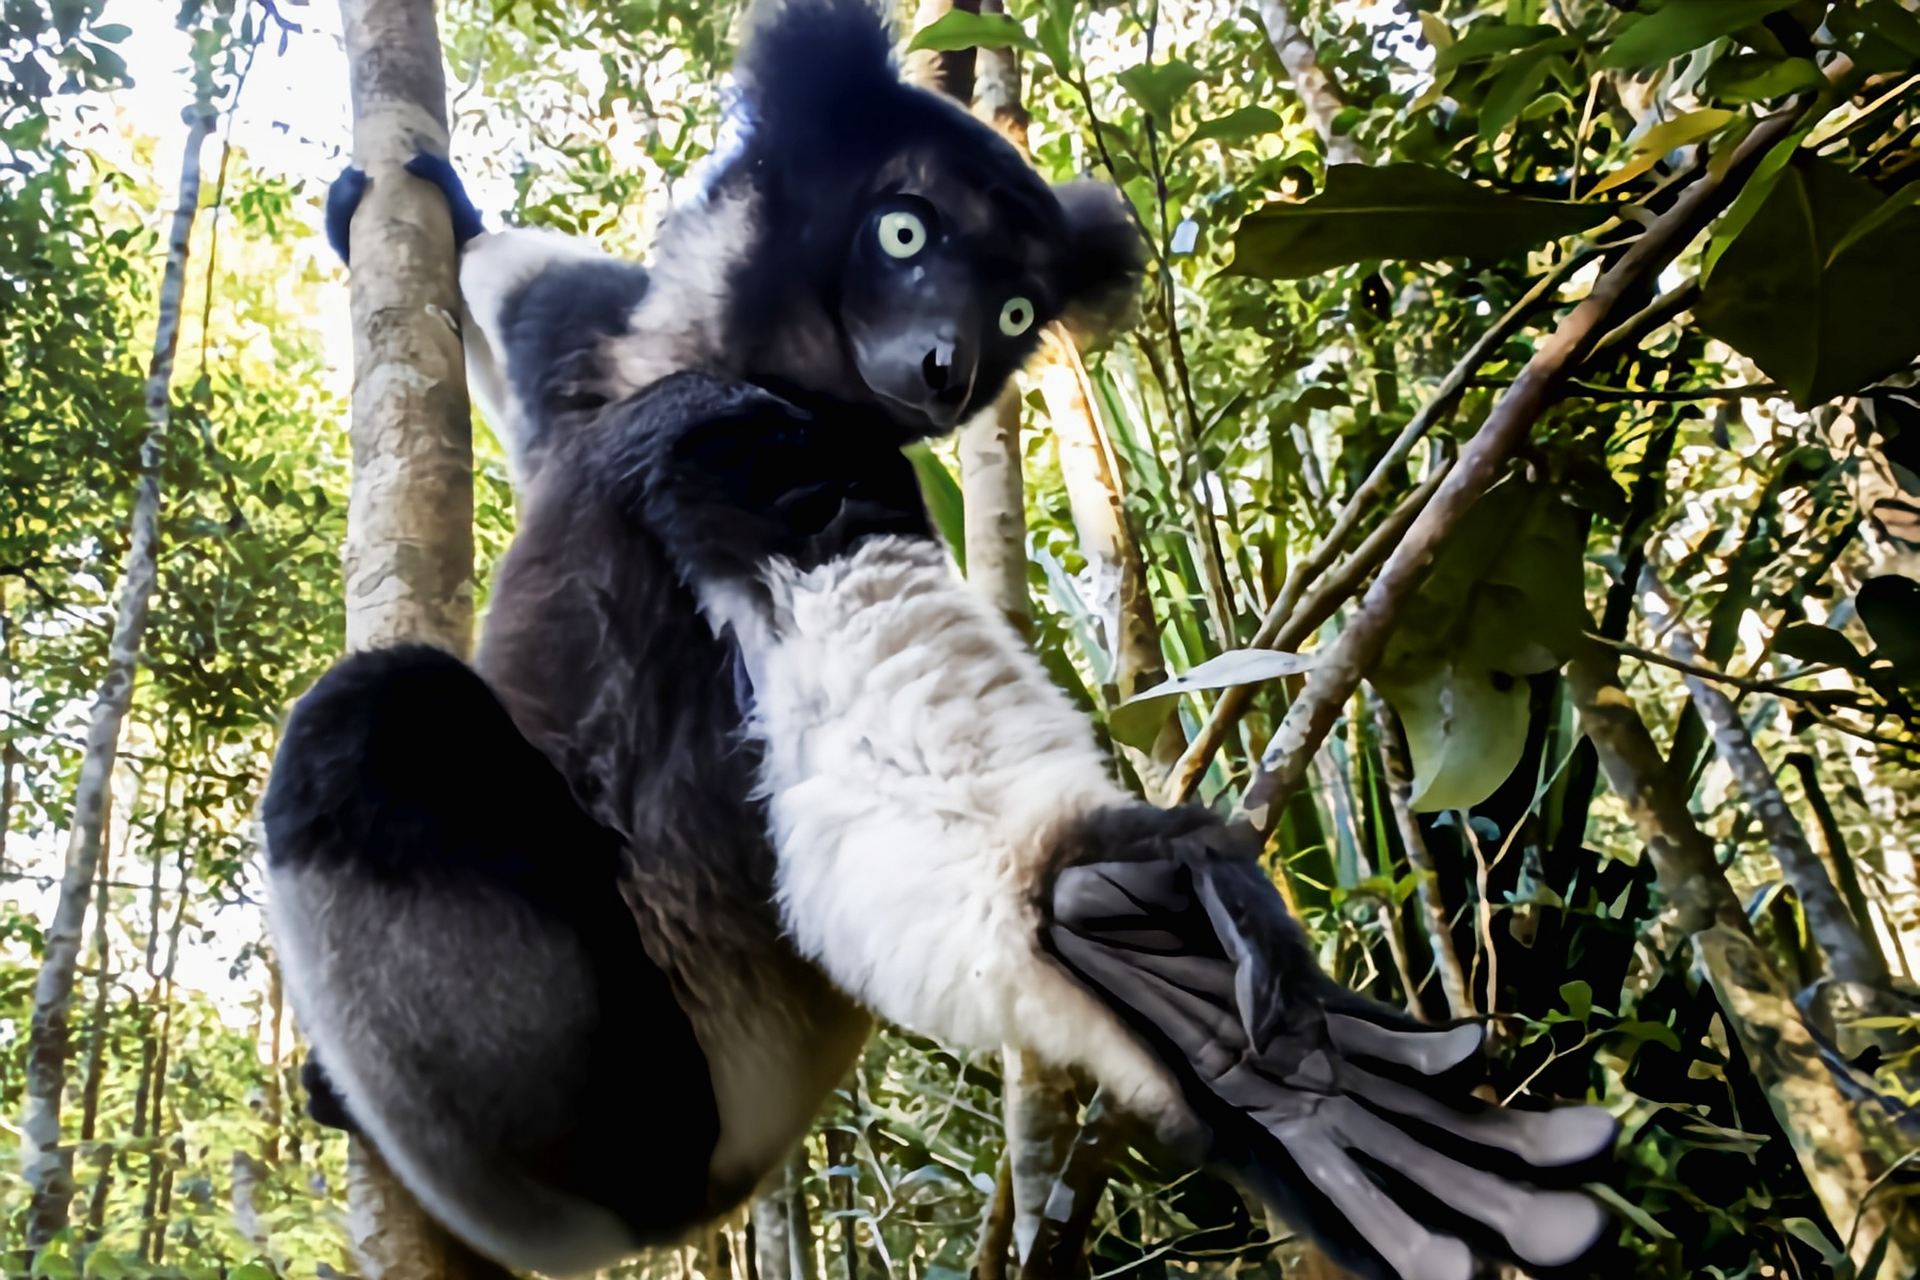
<point x="729" y="477"/>
<point x="401" y="764"/>
<point x="553" y="328"/>
<point x="833" y="130"/>
<point x="591" y="773"/>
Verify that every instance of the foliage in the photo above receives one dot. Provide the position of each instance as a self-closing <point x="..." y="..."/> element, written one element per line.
<point x="1751" y="439"/>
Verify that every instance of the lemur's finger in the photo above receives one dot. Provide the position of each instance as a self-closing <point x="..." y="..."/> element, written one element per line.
<point x="1544" y="1139"/>
<point x="1430" y="1052"/>
<point x="1545" y="1228"/>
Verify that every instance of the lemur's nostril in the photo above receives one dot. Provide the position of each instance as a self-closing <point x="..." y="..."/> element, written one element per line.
<point x="937" y="368"/>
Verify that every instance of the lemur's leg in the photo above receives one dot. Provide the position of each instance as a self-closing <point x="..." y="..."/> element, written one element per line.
<point x="458" y="951"/>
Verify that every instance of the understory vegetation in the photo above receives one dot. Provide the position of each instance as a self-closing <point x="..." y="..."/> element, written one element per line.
<point x="1507" y="496"/>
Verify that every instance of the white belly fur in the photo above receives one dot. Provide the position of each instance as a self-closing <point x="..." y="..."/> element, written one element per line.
<point x="919" y="762"/>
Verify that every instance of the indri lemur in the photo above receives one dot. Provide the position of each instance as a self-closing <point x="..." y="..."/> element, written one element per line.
<point x="582" y="936"/>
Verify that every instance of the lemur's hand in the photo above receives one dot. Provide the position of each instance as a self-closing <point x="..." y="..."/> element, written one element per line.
<point x="343" y="197"/>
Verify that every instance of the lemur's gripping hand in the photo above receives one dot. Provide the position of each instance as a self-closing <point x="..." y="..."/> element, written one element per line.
<point x="1310" y="1088"/>
<point x="344" y="196"/>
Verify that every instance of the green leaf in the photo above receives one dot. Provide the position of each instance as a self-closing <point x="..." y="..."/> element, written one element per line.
<point x="1489" y="40"/>
<point x="1683" y="25"/>
<point x="1505" y="599"/>
<point x="1808" y="1231"/>
<point x="1812" y="643"/>
<point x="1159" y="87"/>
<point x="1137" y="721"/>
<point x="1516" y="84"/>
<point x="1579" y="999"/>
<point x="1751" y="197"/>
<point x="1404" y="211"/>
<point x="1466" y="729"/>
<point x="1821" y="314"/>
<point x="944" y="501"/>
<point x="1663" y="138"/>
<point x="111" y="32"/>
<point x="1237" y="126"/>
<point x="1756" y="77"/>
<point x="1897" y="203"/>
<point x="1629" y="1210"/>
<point x="1889" y="606"/>
<point x="958" y="29"/>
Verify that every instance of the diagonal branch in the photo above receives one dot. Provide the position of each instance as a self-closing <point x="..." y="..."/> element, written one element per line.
<point x="1481" y="461"/>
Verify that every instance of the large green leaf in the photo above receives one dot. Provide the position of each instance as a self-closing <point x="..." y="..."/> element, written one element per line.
<point x="1683" y="25"/>
<point x="1820" y="310"/>
<point x="1504" y="600"/>
<point x="958" y="29"/>
<point x="1237" y="126"/>
<point x="1405" y="211"/>
<point x="1159" y="86"/>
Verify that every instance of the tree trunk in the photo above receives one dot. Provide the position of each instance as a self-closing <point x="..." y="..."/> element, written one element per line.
<point x="1838" y="856"/>
<point x="782" y="1226"/>
<point x="409" y="552"/>
<point x="1121" y="595"/>
<point x="47" y="1163"/>
<point x="1039" y="1108"/>
<point x="1849" y="958"/>
<point x="1318" y="94"/>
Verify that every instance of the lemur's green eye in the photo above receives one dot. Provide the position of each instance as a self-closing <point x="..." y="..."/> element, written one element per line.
<point x="902" y="234"/>
<point x="1016" y="317"/>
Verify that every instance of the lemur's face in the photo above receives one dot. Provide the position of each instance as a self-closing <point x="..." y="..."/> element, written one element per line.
<point x="944" y="291"/>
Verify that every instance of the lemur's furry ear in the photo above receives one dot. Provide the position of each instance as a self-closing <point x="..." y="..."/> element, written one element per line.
<point x="809" y="61"/>
<point x="1106" y="258"/>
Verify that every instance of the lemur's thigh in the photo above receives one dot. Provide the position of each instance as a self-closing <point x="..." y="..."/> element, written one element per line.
<point x="458" y="951"/>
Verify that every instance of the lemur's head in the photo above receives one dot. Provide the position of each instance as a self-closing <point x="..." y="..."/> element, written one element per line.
<point x="889" y="248"/>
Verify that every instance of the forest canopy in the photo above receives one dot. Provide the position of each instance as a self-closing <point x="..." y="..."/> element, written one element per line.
<point x="1506" y="496"/>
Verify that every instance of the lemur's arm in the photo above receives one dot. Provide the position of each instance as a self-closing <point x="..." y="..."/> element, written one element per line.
<point x="953" y="852"/>
<point x="538" y="307"/>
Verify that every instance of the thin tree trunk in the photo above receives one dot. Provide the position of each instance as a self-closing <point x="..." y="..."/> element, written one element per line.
<point x="1426" y="876"/>
<point x="1849" y="958"/>
<point x="47" y="1163"/>
<point x="1319" y="95"/>
<point x="159" y="1166"/>
<point x="274" y="1103"/>
<point x="782" y="1226"/>
<point x="102" y="989"/>
<point x="1695" y="888"/>
<point x="1039" y="1107"/>
<point x="996" y="1226"/>
<point x="409" y="552"/>
<point x="1838" y="1140"/>
<point x="1837" y="855"/>
<point x="1121" y="593"/>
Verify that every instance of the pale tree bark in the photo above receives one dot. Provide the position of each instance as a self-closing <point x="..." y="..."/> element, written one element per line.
<point x="1096" y="495"/>
<point x="409" y="555"/>
<point x="1318" y="93"/>
<point x="47" y="1162"/>
<point x="782" y="1225"/>
<point x="1849" y="957"/>
<point x="1843" y="1143"/>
